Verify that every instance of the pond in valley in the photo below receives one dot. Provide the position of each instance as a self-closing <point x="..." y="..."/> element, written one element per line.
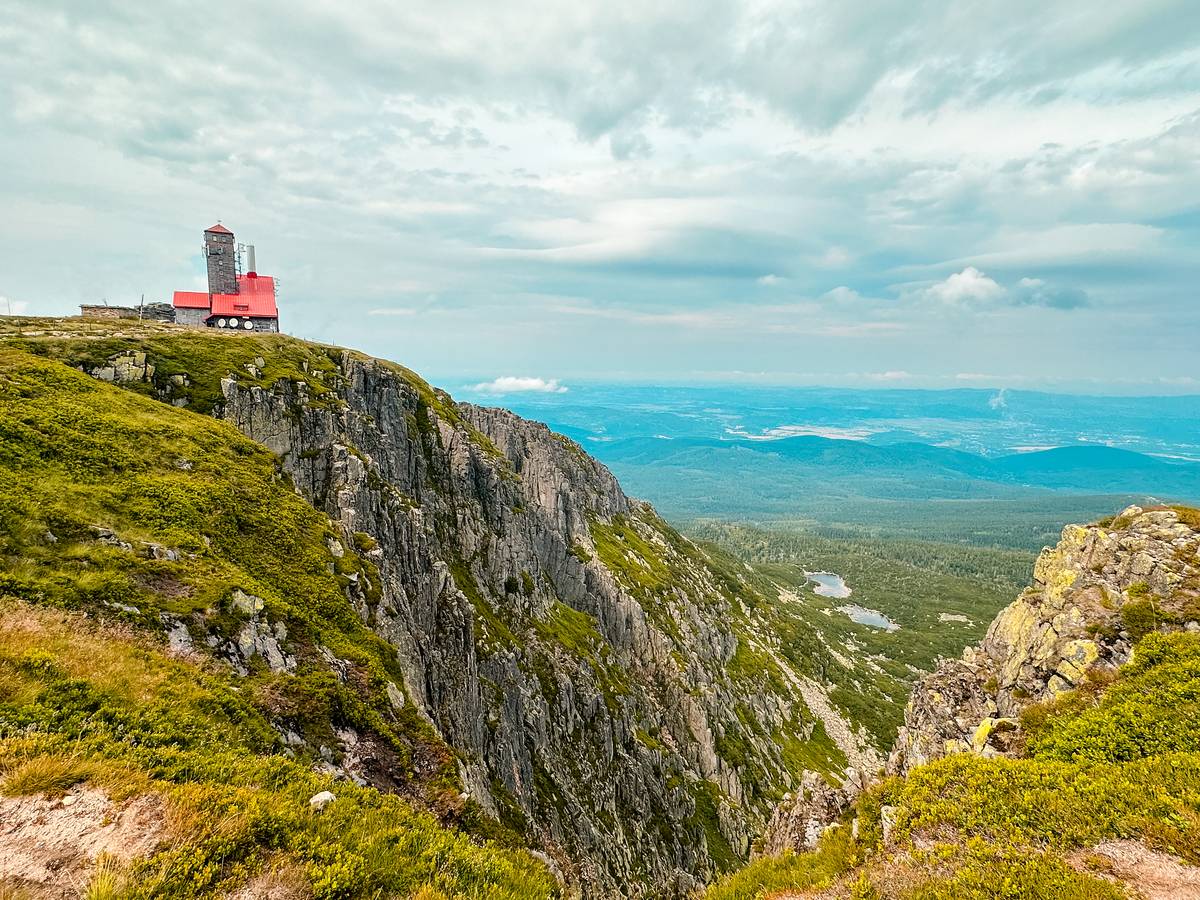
<point x="870" y="617"/>
<point x="830" y="584"/>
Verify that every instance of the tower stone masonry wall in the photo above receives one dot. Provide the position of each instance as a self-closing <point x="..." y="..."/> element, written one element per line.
<point x="220" y="251"/>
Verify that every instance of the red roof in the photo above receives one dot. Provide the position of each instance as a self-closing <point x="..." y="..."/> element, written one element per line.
<point x="219" y="229"/>
<point x="256" y="297"/>
<point x="190" y="300"/>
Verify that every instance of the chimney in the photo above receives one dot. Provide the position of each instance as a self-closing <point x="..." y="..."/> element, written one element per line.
<point x="251" y="269"/>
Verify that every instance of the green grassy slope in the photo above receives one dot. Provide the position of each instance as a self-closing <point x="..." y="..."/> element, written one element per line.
<point x="117" y="511"/>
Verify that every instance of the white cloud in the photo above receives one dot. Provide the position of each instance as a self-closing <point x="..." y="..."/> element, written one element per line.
<point x="770" y="280"/>
<point x="1035" y="292"/>
<point x="697" y="319"/>
<point x="1180" y="380"/>
<point x="966" y="287"/>
<point x="515" y="384"/>
<point x="971" y="288"/>
<point x="843" y="294"/>
<point x="1079" y="244"/>
<point x="860" y="329"/>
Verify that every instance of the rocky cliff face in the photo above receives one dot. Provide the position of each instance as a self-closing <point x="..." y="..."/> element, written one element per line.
<point x="511" y="565"/>
<point x="590" y="668"/>
<point x="1092" y="596"/>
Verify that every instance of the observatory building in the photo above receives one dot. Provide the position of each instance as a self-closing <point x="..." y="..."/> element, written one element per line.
<point x="234" y="300"/>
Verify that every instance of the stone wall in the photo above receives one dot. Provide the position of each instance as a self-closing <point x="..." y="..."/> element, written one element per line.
<point x="150" y="312"/>
<point x="108" y="312"/>
<point x="193" y="317"/>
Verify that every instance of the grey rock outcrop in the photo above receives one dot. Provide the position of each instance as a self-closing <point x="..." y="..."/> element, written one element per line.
<point x="1092" y="596"/>
<point x="802" y="818"/>
<point x="126" y="368"/>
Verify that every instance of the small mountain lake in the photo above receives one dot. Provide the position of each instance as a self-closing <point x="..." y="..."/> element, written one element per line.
<point x="828" y="584"/>
<point x="872" y="618"/>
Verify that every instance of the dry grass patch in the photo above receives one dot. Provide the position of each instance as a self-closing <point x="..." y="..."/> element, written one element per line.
<point x="108" y="879"/>
<point x="283" y="878"/>
<point x="51" y="774"/>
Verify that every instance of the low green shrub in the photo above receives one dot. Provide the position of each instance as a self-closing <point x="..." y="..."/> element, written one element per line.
<point x="1139" y="618"/>
<point x="762" y="878"/>
<point x="1018" y="873"/>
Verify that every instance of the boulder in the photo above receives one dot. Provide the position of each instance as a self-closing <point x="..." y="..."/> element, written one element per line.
<point x="318" y="802"/>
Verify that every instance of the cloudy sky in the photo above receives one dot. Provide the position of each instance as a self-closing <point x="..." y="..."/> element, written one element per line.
<point x="915" y="193"/>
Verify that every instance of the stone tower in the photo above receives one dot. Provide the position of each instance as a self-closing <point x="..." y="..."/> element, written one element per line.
<point x="221" y="253"/>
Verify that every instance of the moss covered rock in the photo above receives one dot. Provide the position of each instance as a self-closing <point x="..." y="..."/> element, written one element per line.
<point x="1094" y="595"/>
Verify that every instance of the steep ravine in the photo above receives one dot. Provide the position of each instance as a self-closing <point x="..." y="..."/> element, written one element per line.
<point x="591" y="668"/>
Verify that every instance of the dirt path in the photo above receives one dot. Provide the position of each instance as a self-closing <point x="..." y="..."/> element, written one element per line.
<point x="50" y="846"/>
<point x="1154" y="875"/>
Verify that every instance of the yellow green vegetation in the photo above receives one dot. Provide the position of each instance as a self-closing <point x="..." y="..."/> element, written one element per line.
<point x="577" y="633"/>
<point x="836" y="855"/>
<point x="538" y="641"/>
<point x="1115" y="759"/>
<point x="82" y="702"/>
<point x="631" y="556"/>
<point x="116" y="511"/>
<point x="115" y="503"/>
<point x="492" y="632"/>
<point x="708" y="799"/>
<point x="1151" y="710"/>
<point x="974" y="872"/>
<point x="1188" y="515"/>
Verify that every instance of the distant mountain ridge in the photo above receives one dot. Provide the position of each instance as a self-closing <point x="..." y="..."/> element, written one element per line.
<point x="986" y="422"/>
<point x="817" y="447"/>
<point x="693" y="476"/>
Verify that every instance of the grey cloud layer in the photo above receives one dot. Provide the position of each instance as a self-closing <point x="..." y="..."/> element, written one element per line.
<point x="510" y="167"/>
<point x="603" y="67"/>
